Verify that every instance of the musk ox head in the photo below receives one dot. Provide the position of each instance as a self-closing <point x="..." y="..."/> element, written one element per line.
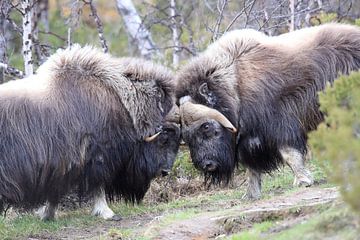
<point x="168" y="142"/>
<point x="208" y="116"/>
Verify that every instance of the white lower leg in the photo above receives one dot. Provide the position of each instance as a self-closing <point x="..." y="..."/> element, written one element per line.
<point x="295" y="160"/>
<point x="46" y="212"/>
<point x="253" y="191"/>
<point x="101" y="207"/>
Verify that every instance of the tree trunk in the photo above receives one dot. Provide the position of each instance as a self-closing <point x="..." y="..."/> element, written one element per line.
<point x="27" y="6"/>
<point x="136" y="28"/>
<point x="175" y="34"/>
<point x="4" y="11"/>
<point x="292" y="15"/>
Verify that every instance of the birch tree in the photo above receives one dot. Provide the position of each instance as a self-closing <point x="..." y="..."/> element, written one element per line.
<point x="292" y="15"/>
<point x="4" y="8"/>
<point x="27" y="8"/>
<point x="136" y="29"/>
<point x="175" y="34"/>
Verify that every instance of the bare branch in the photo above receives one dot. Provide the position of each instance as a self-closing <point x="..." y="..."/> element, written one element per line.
<point x="17" y="28"/>
<point x="11" y="70"/>
<point x="99" y="25"/>
<point x="218" y="22"/>
<point x="54" y="34"/>
<point x="238" y="15"/>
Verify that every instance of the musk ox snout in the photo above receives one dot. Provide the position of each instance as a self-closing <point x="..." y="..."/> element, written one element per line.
<point x="210" y="166"/>
<point x="165" y="172"/>
<point x="168" y="142"/>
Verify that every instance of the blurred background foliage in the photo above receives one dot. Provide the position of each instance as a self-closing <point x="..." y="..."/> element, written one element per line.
<point x="336" y="143"/>
<point x="198" y="23"/>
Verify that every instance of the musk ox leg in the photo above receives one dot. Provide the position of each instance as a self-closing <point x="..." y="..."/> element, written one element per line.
<point x="253" y="191"/>
<point x="295" y="160"/>
<point x="101" y="207"/>
<point x="47" y="212"/>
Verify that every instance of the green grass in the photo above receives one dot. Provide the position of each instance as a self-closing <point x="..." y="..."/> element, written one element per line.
<point x="325" y="223"/>
<point x="254" y="232"/>
<point x="179" y="209"/>
<point x="336" y="221"/>
<point x="28" y="224"/>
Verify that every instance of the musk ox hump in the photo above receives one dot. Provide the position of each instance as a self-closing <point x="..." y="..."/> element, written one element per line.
<point x="143" y="88"/>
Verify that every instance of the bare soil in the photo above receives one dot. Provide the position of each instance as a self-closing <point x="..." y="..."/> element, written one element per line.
<point x="212" y="221"/>
<point x="295" y="207"/>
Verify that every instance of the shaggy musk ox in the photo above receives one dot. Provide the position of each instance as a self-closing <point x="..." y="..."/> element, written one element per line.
<point x="86" y="120"/>
<point x="252" y="99"/>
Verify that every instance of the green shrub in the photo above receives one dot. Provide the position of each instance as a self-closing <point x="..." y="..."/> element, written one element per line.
<point x="337" y="141"/>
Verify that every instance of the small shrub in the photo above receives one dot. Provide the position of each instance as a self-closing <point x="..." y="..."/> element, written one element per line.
<point x="337" y="141"/>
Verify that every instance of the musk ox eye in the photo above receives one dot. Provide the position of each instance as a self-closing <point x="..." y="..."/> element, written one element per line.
<point x="205" y="126"/>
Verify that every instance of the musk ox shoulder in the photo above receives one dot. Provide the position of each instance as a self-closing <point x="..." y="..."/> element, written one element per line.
<point x="84" y="119"/>
<point x="266" y="87"/>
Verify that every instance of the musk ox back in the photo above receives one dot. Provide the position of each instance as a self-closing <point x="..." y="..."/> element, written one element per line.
<point x="83" y="118"/>
<point x="252" y="99"/>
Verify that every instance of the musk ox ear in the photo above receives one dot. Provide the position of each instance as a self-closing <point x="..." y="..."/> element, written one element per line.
<point x="204" y="90"/>
<point x="207" y="94"/>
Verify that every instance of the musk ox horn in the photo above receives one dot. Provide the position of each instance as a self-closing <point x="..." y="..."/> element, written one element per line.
<point x="152" y="137"/>
<point x="191" y="112"/>
<point x="172" y="116"/>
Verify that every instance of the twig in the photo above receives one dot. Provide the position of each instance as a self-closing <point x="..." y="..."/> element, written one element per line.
<point x="14" y="25"/>
<point x="181" y="47"/>
<point x="218" y="22"/>
<point x="99" y="25"/>
<point x="238" y="15"/>
<point x="247" y="16"/>
<point x="54" y="34"/>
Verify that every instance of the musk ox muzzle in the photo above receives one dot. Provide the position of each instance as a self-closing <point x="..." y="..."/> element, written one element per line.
<point x="210" y="137"/>
<point x="168" y="141"/>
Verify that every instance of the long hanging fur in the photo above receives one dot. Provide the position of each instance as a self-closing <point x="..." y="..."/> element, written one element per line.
<point x="80" y="120"/>
<point x="267" y="86"/>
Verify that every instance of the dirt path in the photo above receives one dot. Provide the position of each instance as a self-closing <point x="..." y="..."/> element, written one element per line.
<point x="211" y="224"/>
<point x="211" y="221"/>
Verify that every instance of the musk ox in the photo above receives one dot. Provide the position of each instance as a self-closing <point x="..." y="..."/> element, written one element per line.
<point x="87" y="120"/>
<point x="252" y="99"/>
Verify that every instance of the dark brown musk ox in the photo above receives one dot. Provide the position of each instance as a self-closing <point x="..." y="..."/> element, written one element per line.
<point x="85" y="120"/>
<point x="252" y="99"/>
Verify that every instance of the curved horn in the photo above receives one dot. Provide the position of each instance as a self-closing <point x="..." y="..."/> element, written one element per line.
<point x="191" y="112"/>
<point x="152" y="137"/>
<point x="173" y="115"/>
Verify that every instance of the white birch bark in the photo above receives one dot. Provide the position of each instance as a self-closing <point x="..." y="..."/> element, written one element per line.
<point x="27" y="42"/>
<point x="292" y="15"/>
<point x="4" y="8"/>
<point x="136" y="29"/>
<point x="175" y="34"/>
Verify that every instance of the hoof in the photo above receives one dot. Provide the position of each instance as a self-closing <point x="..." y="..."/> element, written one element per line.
<point x="115" y="218"/>
<point x="251" y="196"/>
<point x="304" y="181"/>
<point x="44" y="214"/>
